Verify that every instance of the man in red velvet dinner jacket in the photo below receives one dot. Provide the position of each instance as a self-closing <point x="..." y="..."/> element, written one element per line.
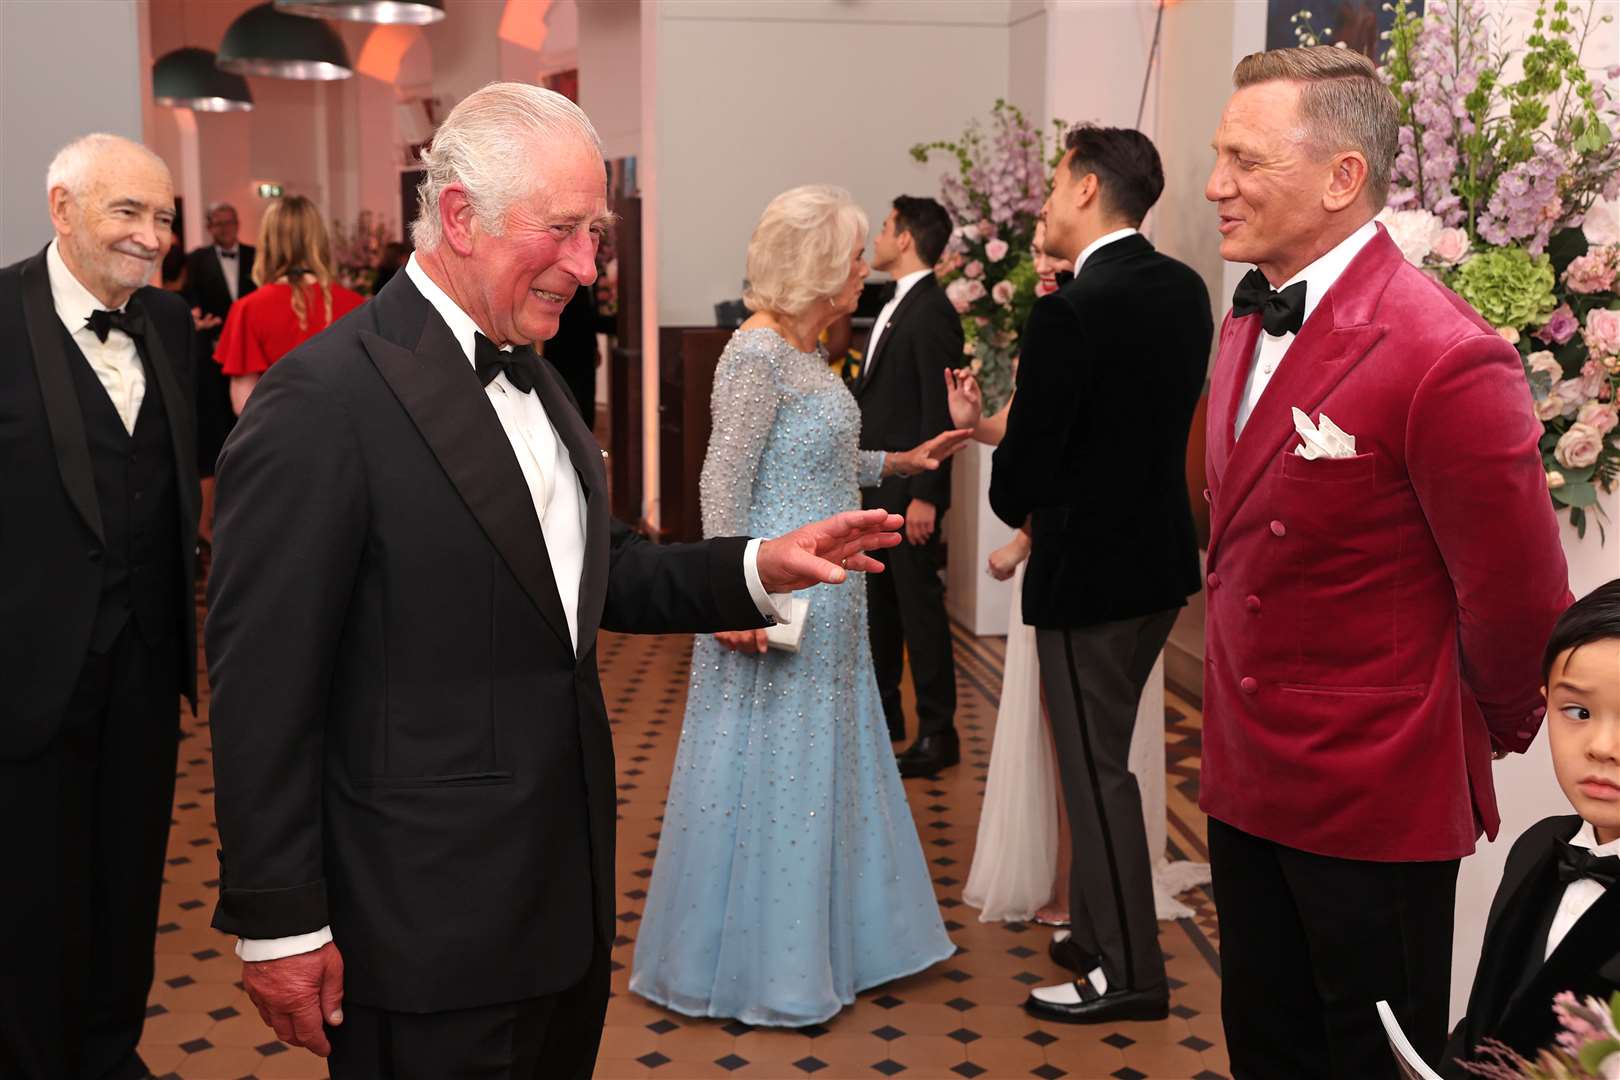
<point x="1375" y="612"/>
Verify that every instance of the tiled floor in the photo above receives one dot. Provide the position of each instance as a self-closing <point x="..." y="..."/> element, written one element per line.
<point x="959" y="1019"/>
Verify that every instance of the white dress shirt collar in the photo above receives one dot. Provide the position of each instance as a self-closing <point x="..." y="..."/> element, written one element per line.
<point x="461" y="325"/>
<point x="1100" y="243"/>
<point x="1320" y="275"/>
<point x="903" y="285"/>
<point x="1586" y="837"/>
<point x="73" y="301"/>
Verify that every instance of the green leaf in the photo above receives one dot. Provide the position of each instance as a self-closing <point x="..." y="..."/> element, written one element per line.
<point x="1577" y="518"/>
<point x="1592" y="1054"/>
<point x="1576" y="493"/>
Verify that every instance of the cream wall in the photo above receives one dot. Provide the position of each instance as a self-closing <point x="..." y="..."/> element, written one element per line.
<point x="610" y="73"/>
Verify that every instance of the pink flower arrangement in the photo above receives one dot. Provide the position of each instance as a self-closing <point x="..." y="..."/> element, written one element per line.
<point x="1588" y="1043"/>
<point x="974" y="269"/>
<point x="995" y="250"/>
<point x="1602" y="334"/>
<point x="1560" y="326"/>
<point x="1002" y="292"/>
<point x="1593" y="272"/>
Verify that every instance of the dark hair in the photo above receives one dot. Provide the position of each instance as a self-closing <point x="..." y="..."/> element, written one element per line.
<point x="1126" y="166"/>
<point x="1593" y="617"/>
<point x="927" y="222"/>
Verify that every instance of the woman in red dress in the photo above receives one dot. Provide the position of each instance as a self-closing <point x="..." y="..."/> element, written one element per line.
<point x="296" y="298"/>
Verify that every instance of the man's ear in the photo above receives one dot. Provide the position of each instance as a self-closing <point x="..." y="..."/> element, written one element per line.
<point x="1347" y="181"/>
<point x="457" y="220"/>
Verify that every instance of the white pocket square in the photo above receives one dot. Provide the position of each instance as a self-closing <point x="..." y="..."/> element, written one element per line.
<point x="1322" y="440"/>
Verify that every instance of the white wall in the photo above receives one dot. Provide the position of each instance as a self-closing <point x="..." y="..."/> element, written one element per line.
<point x="754" y="100"/>
<point x="41" y="108"/>
<point x="610" y="73"/>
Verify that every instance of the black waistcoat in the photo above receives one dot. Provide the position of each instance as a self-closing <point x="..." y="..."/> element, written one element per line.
<point x="140" y="510"/>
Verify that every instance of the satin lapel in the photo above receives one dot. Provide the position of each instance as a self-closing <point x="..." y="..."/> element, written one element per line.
<point x="1238" y="337"/>
<point x="1589" y="945"/>
<point x="62" y="411"/>
<point x="1324" y="352"/>
<point x="181" y="418"/>
<point x="900" y="309"/>
<point x="439" y="390"/>
<point x="587" y="460"/>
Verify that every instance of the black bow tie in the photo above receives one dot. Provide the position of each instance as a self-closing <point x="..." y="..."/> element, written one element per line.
<point x="104" y="322"/>
<point x="520" y="366"/>
<point x="1575" y="863"/>
<point x="227" y="254"/>
<point x="1280" y="312"/>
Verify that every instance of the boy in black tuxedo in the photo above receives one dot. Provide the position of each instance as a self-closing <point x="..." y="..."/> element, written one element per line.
<point x="1555" y="922"/>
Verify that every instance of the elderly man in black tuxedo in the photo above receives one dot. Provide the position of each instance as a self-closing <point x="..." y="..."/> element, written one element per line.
<point x="98" y="520"/>
<point x="414" y="765"/>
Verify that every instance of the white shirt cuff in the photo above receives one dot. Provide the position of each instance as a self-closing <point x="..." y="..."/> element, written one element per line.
<point x="774" y="606"/>
<point x="257" y="950"/>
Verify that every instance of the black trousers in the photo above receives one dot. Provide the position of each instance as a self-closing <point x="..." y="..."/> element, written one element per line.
<point x="1310" y="944"/>
<point x="554" y="1037"/>
<point x="1092" y="678"/>
<point x="906" y="613"/>
<point x="85" y="826"/>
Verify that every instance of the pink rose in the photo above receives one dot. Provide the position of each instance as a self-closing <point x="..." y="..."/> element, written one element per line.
<point x="973" y="269"/>
<point x="1599" y="417"/>
<point x="1602" y="225"/>
<point x="1603" y="331"/>
<point x="1571" y="393"/>
<point x="1592" y="272"/>
<point x="1559" y="327"/>
<point x="1592" y="378"/>
<point x="1545" y="362"/>
<point x="1555" y="479"/>
<point x="1579" y="447"/>
<point x="1414" y="232"/>
<point x="957" y="293"/>
<point x="995" y="250"/>
<point x="1548" y="408"/>
<point x="1450" y="245"/>
<point x="1002" y="293"/>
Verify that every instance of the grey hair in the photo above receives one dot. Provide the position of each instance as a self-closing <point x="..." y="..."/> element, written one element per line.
<point x="1342" y="101"/>
<point x="216" y="207"/>
<point x="800" y="249"/>
<point x="70" y="168"/>
<point x="486" y="145"/>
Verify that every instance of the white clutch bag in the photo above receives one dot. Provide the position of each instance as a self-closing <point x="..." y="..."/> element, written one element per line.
<point x="786" y="636"/>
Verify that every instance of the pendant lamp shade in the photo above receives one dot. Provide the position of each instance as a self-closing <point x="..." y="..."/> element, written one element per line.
<point x="264" y="41"/>
<point x="409" y="12"/>
<point x="188" y="79"/>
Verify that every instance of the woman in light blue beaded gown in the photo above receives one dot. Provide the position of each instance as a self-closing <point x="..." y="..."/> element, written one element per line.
<point x="789" y="874"/>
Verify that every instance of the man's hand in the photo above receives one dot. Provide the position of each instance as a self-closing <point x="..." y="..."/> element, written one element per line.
<point x="962" y="392"/>
<point x="744" y="641"/>
<point x="920" y="518"/>
<point x="204" y="322"/>
<point x="296" y="994"/>
<point x="821" y="552"/>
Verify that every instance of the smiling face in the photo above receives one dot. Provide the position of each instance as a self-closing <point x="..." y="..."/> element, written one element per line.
<point x="1583" y="731"/>
<point x="1268" y="184"/>
<point x="524" y="277"/>
<point x="114" y="231"/>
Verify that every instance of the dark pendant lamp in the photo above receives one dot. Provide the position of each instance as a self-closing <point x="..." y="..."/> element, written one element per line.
<point x="264" y="41"/>
<point x="188" y="79"/>
<point x="410" y="12"/>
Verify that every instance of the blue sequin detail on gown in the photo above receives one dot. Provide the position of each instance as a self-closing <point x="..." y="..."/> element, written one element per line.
<point x="789" y="874"/>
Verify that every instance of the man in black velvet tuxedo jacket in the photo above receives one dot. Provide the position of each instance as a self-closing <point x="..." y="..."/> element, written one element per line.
<point x="98" y="521"/>
<point x="413" y="556"/>
<point x="1094" y="460"/>
<point x="916" y="337"/>
<point x="1554" y="925"/>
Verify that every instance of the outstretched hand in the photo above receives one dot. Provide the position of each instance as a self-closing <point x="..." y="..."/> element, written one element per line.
<point x="822" y="552"/>
<point x="963" y="394"/>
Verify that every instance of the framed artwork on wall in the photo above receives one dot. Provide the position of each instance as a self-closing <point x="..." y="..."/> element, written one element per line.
<point x="1357" y="23"/>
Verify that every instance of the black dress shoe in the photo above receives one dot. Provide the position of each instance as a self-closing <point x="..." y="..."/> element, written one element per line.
<point x="1095" y="1008"/>
<point x="1067" y="954"/>
<point x="929" y="754"/>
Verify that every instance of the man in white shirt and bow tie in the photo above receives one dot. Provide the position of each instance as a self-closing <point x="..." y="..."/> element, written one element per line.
<point x="1383" y="568"/>
<point x="415" y="770"/>
<point x="98" y="518"/>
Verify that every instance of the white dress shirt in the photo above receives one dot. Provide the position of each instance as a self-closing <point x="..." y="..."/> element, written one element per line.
<point x="231" y="265"/>
<point x="1578" y="895"/>
<point x="1318" y="278"/>
<point x="1100" y="243"/>
<point x="116" y="363"/>
<point x="559" y="502"/>
<point x="901" y="287"/>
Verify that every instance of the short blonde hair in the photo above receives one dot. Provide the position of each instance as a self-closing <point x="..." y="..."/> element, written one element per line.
<point x="800" y="249"/>
<point x="1343" y="104"/>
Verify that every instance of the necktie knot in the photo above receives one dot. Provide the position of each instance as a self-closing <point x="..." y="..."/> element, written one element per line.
<point x="1578" y="863"/>
<point x="1281" y="311"/>
<point x="103" y="322"/>
<point x="520" y="366"/>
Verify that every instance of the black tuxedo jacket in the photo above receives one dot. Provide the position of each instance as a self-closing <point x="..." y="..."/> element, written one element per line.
<point x="51" y="538"/>
<point x="205" y="278"/>
<point x="902" y="396"/>
<point x="1513" y="991"/>
<point x="1109" y="378"/>
<point x="407" y="746"/>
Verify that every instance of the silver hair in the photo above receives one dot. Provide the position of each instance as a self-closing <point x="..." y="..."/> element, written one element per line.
<point x="216" y="207"/>
<point x="70" y="168"/>
<point x="487" y="146"/>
